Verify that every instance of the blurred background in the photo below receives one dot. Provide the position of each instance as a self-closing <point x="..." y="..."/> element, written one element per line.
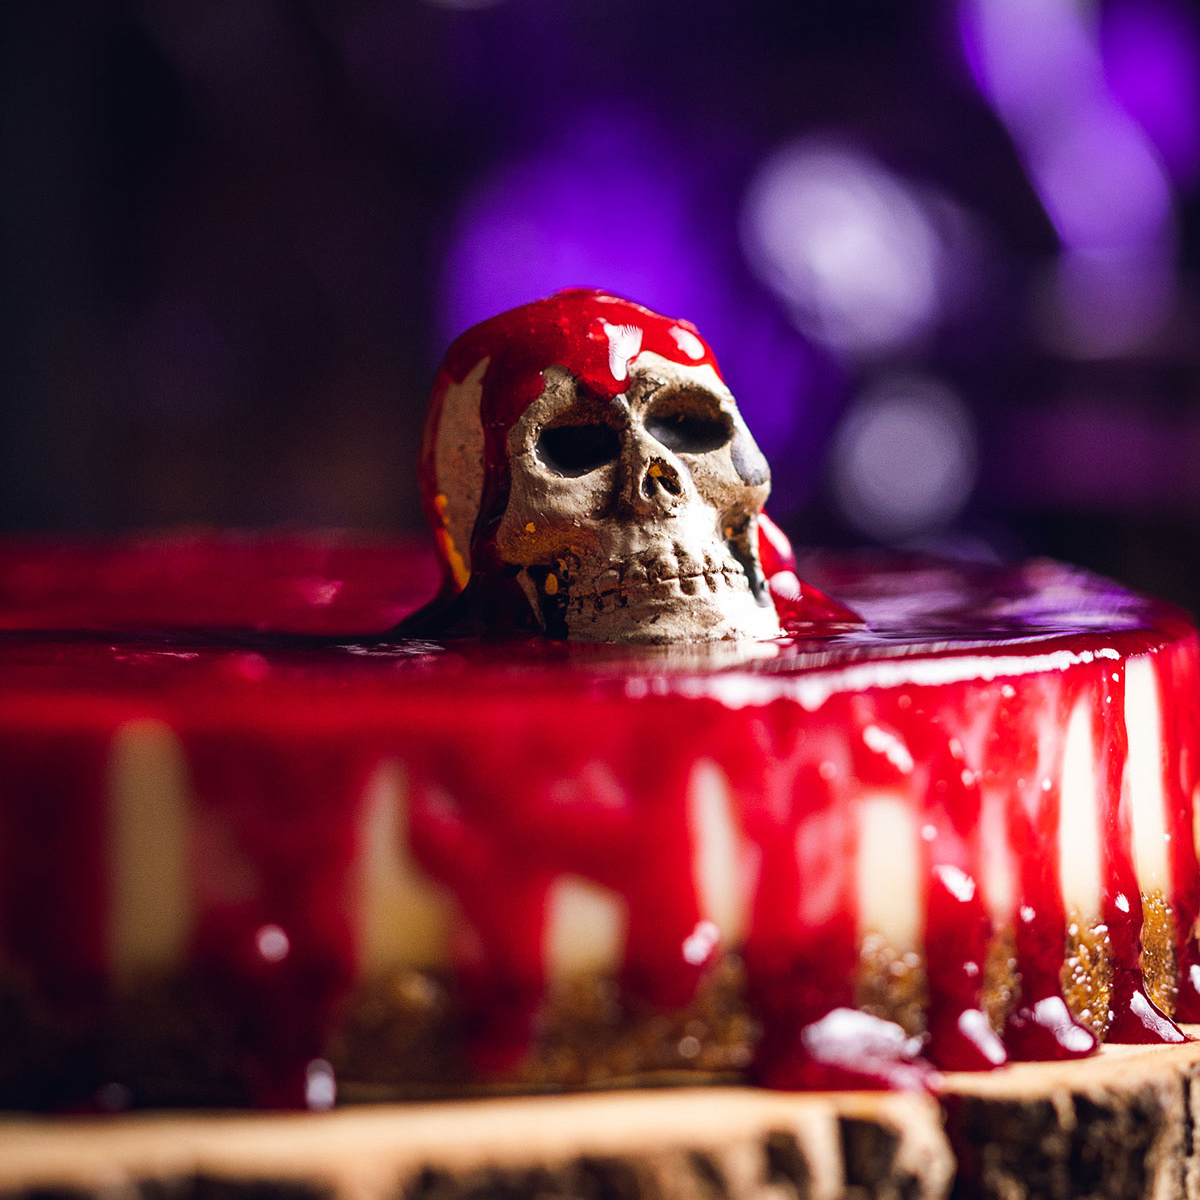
<point x="947" y="251"/>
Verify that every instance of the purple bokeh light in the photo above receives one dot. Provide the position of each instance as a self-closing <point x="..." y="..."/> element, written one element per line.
<point x="464" y="5"/>
<point x="603" y="205"/>
<point x="1151" y="52"/>
<point x="614" y="202"/>
<point x="1100" y="180"/>
<point x="1094" y="169"/>
<point x="1098" y="175"/>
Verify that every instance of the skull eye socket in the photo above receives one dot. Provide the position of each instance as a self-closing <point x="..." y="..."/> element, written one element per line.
<point x="573" y="450"/>
<point x="689" y="424"/>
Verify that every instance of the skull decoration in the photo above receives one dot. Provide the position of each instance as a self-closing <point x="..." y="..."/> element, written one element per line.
<point x="588" y="474"/>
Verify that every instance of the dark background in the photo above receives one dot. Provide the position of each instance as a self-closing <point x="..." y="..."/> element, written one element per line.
<point x="946" y="252"/>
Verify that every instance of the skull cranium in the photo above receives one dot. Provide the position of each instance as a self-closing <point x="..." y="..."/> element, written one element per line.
<point x="621" y="496"/>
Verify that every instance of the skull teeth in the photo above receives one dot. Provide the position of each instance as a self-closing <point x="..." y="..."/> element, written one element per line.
<point x="614" y="586"/>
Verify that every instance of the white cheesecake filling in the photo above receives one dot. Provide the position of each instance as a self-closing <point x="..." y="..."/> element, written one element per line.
<point x="404" y="918"/>
<point x="1079" y="818"/>
<point x="1144" y="774"/>
<point x="998" y="868"/>
<point x="152" y="906"/>
<point x="722" y="865"/>
<point x="585" y="928"/>
<point x="888" y="870"/>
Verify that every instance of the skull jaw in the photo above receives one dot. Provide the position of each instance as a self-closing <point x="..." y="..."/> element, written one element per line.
<point x="665" y="614"/>
<point x="654" y="582"/>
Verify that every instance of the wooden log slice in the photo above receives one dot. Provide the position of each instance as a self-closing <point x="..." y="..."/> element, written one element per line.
<point x="1119" y="1125"/>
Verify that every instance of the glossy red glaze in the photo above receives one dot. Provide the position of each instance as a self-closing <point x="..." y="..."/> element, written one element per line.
<point x="802" y="608"/>
<point x="527" y="759"/>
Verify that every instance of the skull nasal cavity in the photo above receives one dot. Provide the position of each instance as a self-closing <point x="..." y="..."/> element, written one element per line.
<point x="577" y="449"/>
<point x="661" y="477"/>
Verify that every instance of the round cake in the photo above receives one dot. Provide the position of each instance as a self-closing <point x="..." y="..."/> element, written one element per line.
<point x="252" y="851"/>
<point x="625" y="802"/>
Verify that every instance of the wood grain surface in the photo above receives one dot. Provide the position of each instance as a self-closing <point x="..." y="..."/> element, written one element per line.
<point x="1120" y="1125"/>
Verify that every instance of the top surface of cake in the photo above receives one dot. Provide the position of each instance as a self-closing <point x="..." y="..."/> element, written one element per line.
<point x="329" y="605"/>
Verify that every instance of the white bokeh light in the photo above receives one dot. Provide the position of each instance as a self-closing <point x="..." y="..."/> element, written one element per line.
<point x="904" y="459"/>
<point x="273" y="943"/>
<point x="846" y="244"/>
<point x="320" y="1086"/>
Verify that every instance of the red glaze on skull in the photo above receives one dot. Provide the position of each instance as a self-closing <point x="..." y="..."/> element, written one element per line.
<point x="603" y="351"/>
